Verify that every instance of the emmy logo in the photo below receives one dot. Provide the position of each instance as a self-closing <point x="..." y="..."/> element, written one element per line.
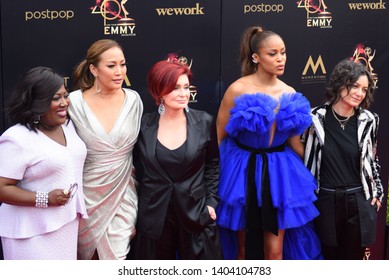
<point x="315" y="7"/>
<point x="184" y="60"/>
<point x="367" y="254"/>
<point x="317" y="14"/>
<point x="112" y="9"/>
<point x="192" y="88"/>
<point x="125" y="20"/>
<point x="115" y="15"/>
<point x="365" y="55"/>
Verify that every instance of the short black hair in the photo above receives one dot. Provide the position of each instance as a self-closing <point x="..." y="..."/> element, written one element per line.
<point x="32" y="96"/>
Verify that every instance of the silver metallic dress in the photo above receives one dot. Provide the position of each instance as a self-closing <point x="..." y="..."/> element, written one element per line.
<point x="109" y="185"/>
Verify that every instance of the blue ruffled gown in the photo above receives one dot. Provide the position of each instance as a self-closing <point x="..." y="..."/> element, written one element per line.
<point x="292" y="185"/>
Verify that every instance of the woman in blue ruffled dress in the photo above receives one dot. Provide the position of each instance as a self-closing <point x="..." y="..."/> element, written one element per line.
<point x="266" y="193"/>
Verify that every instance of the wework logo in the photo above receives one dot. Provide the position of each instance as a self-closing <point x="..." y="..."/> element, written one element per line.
<point x="189" y="11"/>
<point x="368" y="6"/>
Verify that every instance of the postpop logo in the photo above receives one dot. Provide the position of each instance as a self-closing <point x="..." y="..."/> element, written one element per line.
<point x="49" y="15"/>
<point x="263" y="8"/>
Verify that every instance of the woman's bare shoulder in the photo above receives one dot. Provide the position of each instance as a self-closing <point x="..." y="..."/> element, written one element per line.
<point x="238" y="87"/>
<point x="286" y="88"/>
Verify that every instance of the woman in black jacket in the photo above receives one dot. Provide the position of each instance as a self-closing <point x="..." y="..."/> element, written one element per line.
<point x="177" y="166"/>
<point x="341" y="153"/>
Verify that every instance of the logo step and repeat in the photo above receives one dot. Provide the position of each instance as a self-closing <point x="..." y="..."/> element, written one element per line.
<point x="206" y="36"/>
<point x="318" y="34"/>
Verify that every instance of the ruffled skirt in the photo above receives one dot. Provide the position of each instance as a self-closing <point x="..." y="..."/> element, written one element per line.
<point x="292" y="189"/>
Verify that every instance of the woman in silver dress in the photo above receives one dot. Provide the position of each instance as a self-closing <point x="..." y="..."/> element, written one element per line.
<point x="107" y="118"/>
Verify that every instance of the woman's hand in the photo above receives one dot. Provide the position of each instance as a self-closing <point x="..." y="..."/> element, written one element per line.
<point x="58" y="197"/>
<point x="295" y="143"/>
<point x="212" y="212"/>
<point x="10" y="193"/>
<point x="374" y="201"/>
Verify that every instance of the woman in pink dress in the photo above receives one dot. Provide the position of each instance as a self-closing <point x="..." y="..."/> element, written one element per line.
<point x="41" y="159"/>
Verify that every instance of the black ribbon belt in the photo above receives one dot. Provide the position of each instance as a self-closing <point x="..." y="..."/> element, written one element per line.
<point x="341" y="201"/>
<point x="258" y="218"/>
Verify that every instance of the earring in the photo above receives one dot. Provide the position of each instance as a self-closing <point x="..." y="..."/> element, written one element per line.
<point x="37" y="119"/>
<point x="253" y="59"/>
<point x="187" y="108"/>
<point x="98" y="88"/>
<point x="161" y="108"/>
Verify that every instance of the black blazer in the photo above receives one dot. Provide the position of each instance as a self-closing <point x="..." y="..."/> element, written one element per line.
<point x="197" y="184"/>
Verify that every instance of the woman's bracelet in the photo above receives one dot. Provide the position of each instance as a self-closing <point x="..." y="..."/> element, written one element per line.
<point x="42" y="199"/>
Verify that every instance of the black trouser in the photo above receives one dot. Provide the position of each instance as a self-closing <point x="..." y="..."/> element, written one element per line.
<point x="339" y="222"/>
<point x="170" y="242"/>
<point x="177" y="243"/>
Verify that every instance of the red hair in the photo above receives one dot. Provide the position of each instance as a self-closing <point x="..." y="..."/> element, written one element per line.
<point x="163" y="76"/>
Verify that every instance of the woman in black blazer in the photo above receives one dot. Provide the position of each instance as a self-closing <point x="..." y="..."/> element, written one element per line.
<point x="177" y="166"/>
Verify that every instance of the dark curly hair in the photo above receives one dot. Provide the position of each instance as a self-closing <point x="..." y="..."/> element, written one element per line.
<point x="345" y="74"/>
<point x="32" y="96"/>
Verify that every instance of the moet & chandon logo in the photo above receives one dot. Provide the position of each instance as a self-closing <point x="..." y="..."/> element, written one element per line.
<point x="317" y="14"/>
<point x="365" y="55"/>
<point x="115" y="15"/>
<point x="314" y="76"/>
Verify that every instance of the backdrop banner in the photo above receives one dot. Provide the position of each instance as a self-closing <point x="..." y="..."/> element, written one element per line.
<point x="206" y="36"/>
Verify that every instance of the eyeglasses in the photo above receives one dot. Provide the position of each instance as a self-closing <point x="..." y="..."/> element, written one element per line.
<point x="72" y="190"/>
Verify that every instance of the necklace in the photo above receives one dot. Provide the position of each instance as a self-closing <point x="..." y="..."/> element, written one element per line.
<point x="341" y="122"/>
